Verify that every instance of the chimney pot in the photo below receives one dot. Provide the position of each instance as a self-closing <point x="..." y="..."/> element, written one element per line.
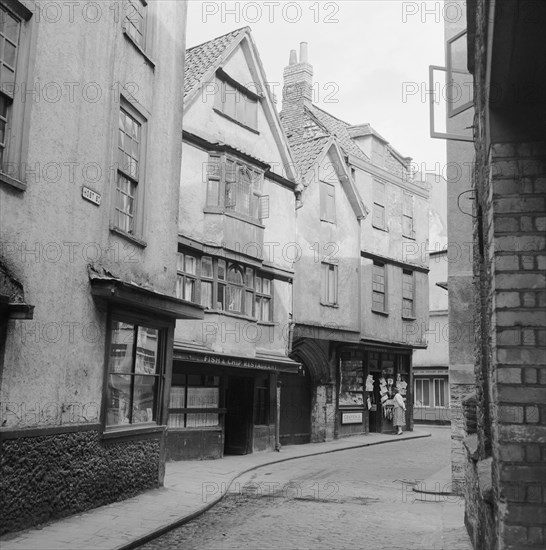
<point x="293" y="57"/>
<point x="303" y="52"/>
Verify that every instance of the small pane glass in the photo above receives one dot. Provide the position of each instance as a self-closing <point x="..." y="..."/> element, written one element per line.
<point x="144" y="399"/>
<point x="234" y="298"/>
<point x="258" y="284"/>
<point x="146" y="352"/>
<point x="121" y="347"/>
<point x="189" y="289"/>
<point x="249" y="302"/>
<point x="265" y="309"/>
<point x="9" y="53"/>
<point x="11" y="27"/>
<point x="222" y="270"/>
<point x="266" y="287"/>
<point x="235" y="275"/>
<point x="191" y="265"/>
<point x="221" y="298"/>
<point x="180" y="262"/>
<point x="118" y="399"/>
<point x="206" y="267"/>
<point x="249" y="277"/>
<point x="206" y="294"/>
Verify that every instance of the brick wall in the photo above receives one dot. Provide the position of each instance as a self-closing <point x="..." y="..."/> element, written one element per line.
<point x="517" y="216"/>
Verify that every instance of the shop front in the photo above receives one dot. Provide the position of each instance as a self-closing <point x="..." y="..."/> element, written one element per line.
<point x="222" y="404"/>
<point x="367" y="379"/>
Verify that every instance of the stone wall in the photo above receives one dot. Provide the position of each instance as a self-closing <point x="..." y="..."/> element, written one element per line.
<point x="52" y="476"/>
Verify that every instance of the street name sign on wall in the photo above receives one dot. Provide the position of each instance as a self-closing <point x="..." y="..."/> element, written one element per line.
<point x="91" y="196"/>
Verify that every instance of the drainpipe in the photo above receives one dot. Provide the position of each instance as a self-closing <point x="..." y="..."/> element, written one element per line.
<point x="278" y="423"/>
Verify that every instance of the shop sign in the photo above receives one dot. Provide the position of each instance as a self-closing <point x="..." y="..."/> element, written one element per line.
<point x="351" y="418"/>
<point x="238" y="362"/>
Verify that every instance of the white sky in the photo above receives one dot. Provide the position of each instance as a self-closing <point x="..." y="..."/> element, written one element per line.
<point x="366" y="55"/>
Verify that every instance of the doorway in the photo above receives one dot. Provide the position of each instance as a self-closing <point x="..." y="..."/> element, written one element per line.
<point x="295" y="425"/>
<point x="238" y="423"/>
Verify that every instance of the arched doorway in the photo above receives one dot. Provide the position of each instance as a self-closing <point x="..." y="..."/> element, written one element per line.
<point x="295" y="421"/>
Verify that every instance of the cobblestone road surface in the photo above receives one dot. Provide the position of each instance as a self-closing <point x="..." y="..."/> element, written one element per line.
<point x="354" y="499"/>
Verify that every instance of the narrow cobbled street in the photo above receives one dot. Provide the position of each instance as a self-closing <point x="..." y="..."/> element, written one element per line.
<point x="359" y="498"/>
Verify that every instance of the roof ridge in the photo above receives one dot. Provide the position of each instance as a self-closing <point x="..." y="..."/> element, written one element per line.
<point x="233" y="32"/>
<point x="329" y="114"/>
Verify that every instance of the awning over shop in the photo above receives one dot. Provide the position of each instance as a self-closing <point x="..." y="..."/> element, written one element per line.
<point x="116" y="291"/>
<point x="260" y="362"/>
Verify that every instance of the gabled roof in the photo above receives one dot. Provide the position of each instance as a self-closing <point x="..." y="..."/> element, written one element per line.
<point x="306" y="153"/>
<point x="338" y="128"/>
<point x="203" y="57"/>
<point x="202" y="62"/>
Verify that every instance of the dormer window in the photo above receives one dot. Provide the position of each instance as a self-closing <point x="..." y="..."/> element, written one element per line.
<point x="236" y="102"/>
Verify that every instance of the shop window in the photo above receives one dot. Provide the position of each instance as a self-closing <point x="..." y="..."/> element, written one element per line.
<point x="14" y="59"/>
<point x="327" y="202"/>
<point x="236" y="103"/>
<point x="329" y="284"/>
<point x="379" y="215"/>
<point x="229" y="286"/>
<point x="379" y="288"/>
<point x="135" y="374"/>
<point x="441" y="395"/>
<point x="194" y="401"/>
<point x="234" y="186"/>
<point x="422" y="392"/>
<point x="407" y="216"/>
<point x="408" y="289"/>
<point x="261" y="402"/>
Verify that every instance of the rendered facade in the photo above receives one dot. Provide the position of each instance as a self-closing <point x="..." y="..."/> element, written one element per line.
<point x="89" y="193"/>
<point x="361" y="294"/>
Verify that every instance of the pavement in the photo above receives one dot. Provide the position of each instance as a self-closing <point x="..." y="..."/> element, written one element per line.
<point x="190" y="488"/>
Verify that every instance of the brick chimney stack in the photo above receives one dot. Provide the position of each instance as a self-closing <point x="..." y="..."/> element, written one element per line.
<point x="298" y="79"/>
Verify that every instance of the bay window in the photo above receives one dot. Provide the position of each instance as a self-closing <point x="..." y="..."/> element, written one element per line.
<point x="234" y="186"/>
<point x="223" y="285"/>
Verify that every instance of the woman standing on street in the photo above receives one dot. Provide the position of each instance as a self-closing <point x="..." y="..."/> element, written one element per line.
<point x="399" y="417"/>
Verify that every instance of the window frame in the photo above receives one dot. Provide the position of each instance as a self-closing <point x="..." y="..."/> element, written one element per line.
<point x="405" y="273"/>
<point x="379" y="203"/>
<point x="443" y="384"/>
<point x="327" y="207"/>
<point x="327" y="269"/>
<point x="384" y="284"/>
<point x="261" y="297"/>
<point x="421" y="380"/>
<point x="144" y="46"/>
<point x="219" y="187"/>
<point x="408" y="213"/>
<point x="244" y="117"/>
<point x="216" y="281"/>
<point x="139" y="199"/>
<point x="12" y="171"/>
<point x="186" y="410"/>
<point x="163" y="328"/>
